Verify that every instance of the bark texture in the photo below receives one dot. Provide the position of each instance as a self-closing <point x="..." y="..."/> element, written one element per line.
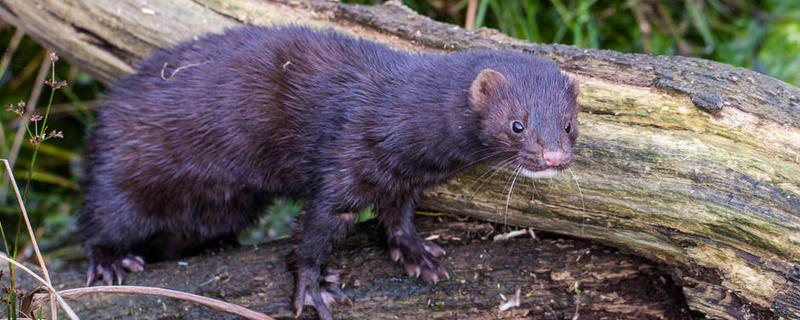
<point x="557" y="278"/>
<point x="688" y="162"/>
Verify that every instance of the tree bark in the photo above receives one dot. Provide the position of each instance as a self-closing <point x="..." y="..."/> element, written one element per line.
<point x="688" y="162"/>
<point x="556" y="279"/>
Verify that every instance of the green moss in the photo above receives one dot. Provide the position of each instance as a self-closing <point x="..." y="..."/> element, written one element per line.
<point x="735" y="229"/>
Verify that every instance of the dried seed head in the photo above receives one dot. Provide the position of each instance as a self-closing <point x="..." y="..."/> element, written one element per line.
<point x="21" y="108"/>
<point x="36" y="140"/>
<point x="53" y="57"/>
<point x="55" y="134"/>
<point x="57" y="84"/>
<point x="36" y="117"/>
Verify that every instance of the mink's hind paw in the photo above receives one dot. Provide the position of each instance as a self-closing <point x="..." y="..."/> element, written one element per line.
<point x="419" y="256"/>
<point x="114" y="272"/>
<point x="319" y="292"/>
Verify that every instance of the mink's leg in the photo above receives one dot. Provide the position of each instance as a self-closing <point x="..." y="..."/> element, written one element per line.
<point x="318" y="229"/>
<point x="107" y="236"/>
<point x="110" y="256"/>
<point x="419" y="256"/>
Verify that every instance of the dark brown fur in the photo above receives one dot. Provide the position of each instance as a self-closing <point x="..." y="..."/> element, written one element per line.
<point x="179" y="161"/>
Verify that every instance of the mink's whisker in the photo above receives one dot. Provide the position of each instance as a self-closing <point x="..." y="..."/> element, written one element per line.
<point x="580" y="192"/>
<point x="508" y="198"/>
<point x="494" y="170"/>
<point x="533" y="184"/>
<point x="491" y="154"/>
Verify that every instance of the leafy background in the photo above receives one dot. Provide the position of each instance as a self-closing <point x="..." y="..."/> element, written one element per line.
<point x="760" y="35"/>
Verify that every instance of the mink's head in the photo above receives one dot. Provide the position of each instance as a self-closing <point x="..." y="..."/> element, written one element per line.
<point x="528" y="114"/>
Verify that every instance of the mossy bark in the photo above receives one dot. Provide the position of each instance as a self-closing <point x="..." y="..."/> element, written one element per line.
<point x="688" y="162"/>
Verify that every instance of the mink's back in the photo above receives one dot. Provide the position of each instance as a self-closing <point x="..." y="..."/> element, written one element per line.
<point x="207" y="132"/>
<point x="249" y="107"/>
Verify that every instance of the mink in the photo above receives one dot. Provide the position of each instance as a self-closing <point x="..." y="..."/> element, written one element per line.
<point x="190" y="149"/>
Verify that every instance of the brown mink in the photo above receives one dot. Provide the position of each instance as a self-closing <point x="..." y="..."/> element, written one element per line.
<point x="190" y="149"/>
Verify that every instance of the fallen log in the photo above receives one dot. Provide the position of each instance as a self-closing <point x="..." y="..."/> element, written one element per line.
<point x="688" y="162"/>
<point x="557" y="278"/>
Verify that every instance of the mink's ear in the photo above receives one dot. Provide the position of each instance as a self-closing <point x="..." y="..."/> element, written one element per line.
<point x="574" y="90"/>
<point x="484" y="87"/>
<point x="575" y="87"/>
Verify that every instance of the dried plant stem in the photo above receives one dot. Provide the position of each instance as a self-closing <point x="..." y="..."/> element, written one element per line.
<point x="24" y="214"/>
<point x="472" y="9"/>
<point x="58" y="299"/>
<point x="160" y="292"/>
<point x="12" y="48"/>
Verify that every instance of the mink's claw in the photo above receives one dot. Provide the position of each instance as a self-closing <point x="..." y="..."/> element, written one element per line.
<point x="418" y="257"/>
<point x="91" y="275"/>
<point x="114" y="272"/>
<point x="299" y="298"/>
<point x="330" y="296"/>
<point x="434" y="249"/>
<point x="413" y="270"/>
<point x="105" y="273"/>
<point x="321" y="292"/>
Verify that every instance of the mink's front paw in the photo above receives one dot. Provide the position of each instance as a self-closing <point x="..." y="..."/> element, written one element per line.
<point x="319" y="292"/>
<point x="419" y="257"/>
<point x="113" y="272"/>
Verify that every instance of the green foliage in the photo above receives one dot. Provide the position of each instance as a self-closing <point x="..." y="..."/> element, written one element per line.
<point x="51" y="166"/>
<point x="275" y="224"/>
<point x="780" y="52"/>
<point x="760" y="35"/>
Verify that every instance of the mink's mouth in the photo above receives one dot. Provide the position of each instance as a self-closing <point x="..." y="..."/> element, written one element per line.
<point x="542" y="173"/>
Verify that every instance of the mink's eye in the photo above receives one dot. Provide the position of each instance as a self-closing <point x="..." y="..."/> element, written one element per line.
<point x="568" y="128"/>
<point x="517" y="127"/>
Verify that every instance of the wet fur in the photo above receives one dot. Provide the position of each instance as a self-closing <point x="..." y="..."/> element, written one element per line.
<point x="184" y="157"/>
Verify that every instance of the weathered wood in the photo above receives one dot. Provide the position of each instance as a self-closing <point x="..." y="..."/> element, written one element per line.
<point x="609" y="285"/>
<point x="688" y="162"/>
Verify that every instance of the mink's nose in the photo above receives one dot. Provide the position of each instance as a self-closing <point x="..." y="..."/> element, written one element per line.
<point x="553" y="158"/>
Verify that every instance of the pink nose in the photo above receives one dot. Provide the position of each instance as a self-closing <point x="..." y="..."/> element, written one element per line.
<point x="553" y="158"/>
